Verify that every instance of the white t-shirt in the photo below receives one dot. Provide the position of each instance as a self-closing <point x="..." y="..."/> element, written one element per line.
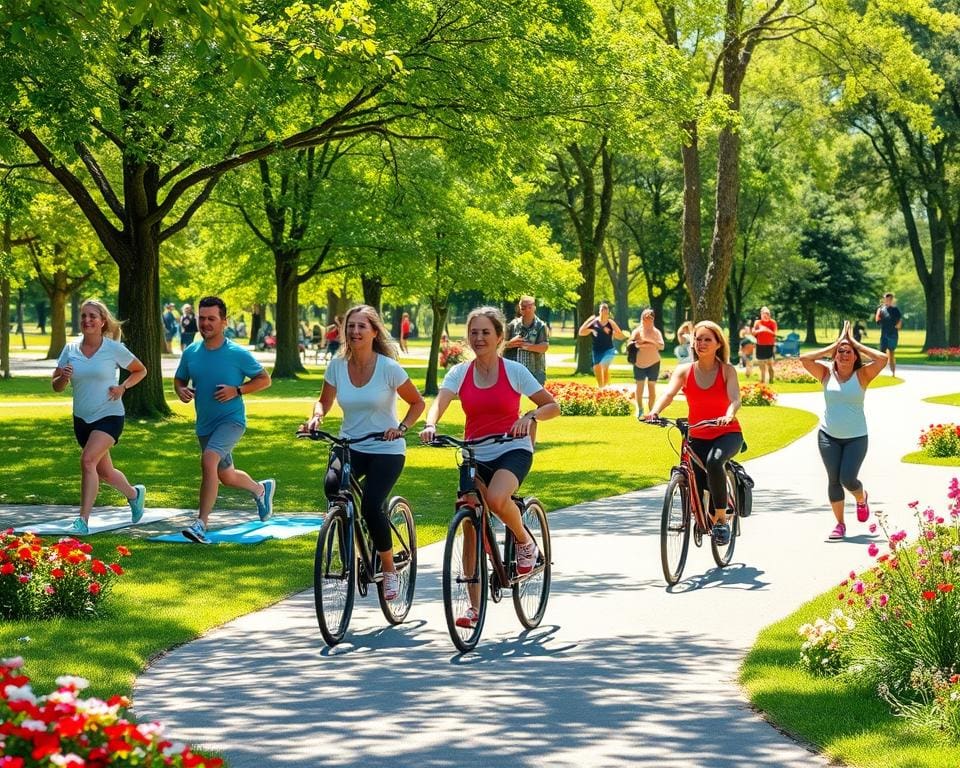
<point x="93" y="377"/>
<point x="372" y="407"/>
<point x="521" y="380"/>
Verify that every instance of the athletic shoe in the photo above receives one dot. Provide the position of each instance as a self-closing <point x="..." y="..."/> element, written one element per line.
<point x="863" y="510"/>
<point x="136" y="503"/>
<point x="80" y="527"/>
<point x="265" y="499"/>
<point x="838" y="532"/>
<point x="720" y="534"/>
<point x="526" y="557"/>
<point x="391" y="585"/>
<point x="197" y="532"/>
<point x="469" y="619"/>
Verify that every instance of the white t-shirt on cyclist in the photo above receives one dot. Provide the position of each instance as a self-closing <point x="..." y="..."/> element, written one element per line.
<point x="372" y="407"/>
<point x="93" y="376"/>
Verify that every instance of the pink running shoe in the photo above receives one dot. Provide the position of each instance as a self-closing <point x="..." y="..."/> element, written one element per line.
<point x="863" y="509"/>
<point x="839" y="532"/>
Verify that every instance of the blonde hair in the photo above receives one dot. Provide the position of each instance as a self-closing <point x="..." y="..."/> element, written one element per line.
<point x="111" y="326"/>
<point x="721" y="338"/>
<point x="381" y="342"/>
<point x="495" y="316"/>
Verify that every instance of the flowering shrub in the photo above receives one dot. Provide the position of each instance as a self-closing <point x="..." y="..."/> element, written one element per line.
<point x="451" y="355"/>
<point x="907" y="612"/>
<point x="577" y="399"/>
<point x="826" y="643"/>
<point x="63" y="579"/>
<point x="757" y="394"/>
<point x="789" y="370"/>
<point x="951" y="354"/>
<point x="941" y="440"/>
<point x="63" y="729"/>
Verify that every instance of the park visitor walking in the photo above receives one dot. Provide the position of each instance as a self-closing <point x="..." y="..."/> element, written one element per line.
<point x="489" y="389"/>
<point x="365" y="381"/>
<point x="890" y="319"/>
<point x="528" y="339"/>
<point x="170" y="327"/>
<point x="765" y="332"/>
<point x="603" y="329"/>
<point x="188" y="326"/>
<point x="215" y="375"/>
<point x="713" y="392"/>
<point x="646" y="368"/>
<point x="842" y="438"/>
<point x="90" y="367"/>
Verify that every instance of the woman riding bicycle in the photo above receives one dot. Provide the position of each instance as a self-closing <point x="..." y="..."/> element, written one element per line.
<point x="489" y="390"/>
<point x="712" y="390"/>
<point x="365" y="381"/>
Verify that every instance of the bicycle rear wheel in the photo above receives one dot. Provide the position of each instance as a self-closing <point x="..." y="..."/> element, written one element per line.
<point x="404" y="536"/>
<point x="334" y="576"/>
<point x="723" y="554"/>
<point x="531" y="592"/>
<point x="464" y="580"/>
<point x="675" y="525"/>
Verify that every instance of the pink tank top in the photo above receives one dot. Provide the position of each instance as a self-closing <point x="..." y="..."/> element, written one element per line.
<point x="490" y="411"/>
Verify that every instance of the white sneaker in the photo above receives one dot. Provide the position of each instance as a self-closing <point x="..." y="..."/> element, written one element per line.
<point x="527" y="557"/>
<point x="391" y="585"/>
<point x="196" y="532"/>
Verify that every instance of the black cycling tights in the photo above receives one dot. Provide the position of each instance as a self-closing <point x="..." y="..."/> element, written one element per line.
<point x="377" y="473"/>
<point x="714" y="454"/>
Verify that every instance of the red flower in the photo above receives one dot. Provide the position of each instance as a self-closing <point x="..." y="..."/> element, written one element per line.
<point x="94" y="588"/>
<point x="116" y="569"/>
<point x="45" y="744"/>
<point x="945" y="587"/>
<point x="58" y="573"/>
<point x="929" y="594"/>
<point x="7" y="568"/>
<point x="98" y="568"/>
<point x="123" y="551"/>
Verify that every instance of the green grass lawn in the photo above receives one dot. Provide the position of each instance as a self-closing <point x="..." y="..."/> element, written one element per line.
<point x="173" y="593"/>
<point x="844" y="719"/>
<point x="953" y="399"/>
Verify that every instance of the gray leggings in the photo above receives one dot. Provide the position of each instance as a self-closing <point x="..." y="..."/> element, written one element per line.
<point x="842" y="458"/>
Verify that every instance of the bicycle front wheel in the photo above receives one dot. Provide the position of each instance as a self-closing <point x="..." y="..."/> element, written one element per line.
<point x="530" y="592"/>
<point x="464" y="580"/>
<point x="723" y="554"/>
<point x="404" y="536"/>
<point x="675" y="524"/>
<point x="334" y="576"/>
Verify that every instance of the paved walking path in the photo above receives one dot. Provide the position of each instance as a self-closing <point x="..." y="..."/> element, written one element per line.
<point x="622" y="671"/>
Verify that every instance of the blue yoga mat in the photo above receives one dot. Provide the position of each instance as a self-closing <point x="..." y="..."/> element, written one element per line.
<point x="254" y="532"/>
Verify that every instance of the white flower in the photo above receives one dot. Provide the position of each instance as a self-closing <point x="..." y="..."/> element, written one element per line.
<point x="175" y="748"/>
<point x="72" y="681"/>
<point x="14" y="662"/>
<point x="34" y="725"/>
<point x="66" y="760"/>
<point x="20" y="693"/>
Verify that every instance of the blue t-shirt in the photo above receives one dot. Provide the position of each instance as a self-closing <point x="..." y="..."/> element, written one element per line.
<point x="889" y="317"/>
<point x="228" y="364"/>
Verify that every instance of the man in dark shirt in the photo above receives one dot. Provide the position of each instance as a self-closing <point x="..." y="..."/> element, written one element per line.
<point x="890" y="319"/>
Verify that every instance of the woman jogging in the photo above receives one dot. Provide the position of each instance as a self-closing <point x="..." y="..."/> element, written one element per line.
<point x="90" y="366"/>
<point x="604" y="330"/>
<point x="843" y="430"/>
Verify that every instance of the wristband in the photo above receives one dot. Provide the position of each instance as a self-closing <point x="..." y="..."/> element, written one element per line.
<point x="403" y="427"/>
<point x="239" y="393"/>
<point x="430" y="426"/>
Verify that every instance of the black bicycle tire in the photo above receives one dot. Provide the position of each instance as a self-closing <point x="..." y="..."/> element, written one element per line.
<point x="676" y="496"/>
<point x="333" y="628"/>
<point x="452" y="585"/>
<point x="722" y="557"/>
<point x="396" y="611"/>
<point x="532" y="620"/>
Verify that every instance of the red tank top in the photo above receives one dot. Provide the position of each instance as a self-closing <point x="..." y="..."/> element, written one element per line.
<point x="710" y="403"/>
<point x="490" y="411"/>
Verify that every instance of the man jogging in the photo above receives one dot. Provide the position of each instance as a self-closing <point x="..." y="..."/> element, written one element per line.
<point x="216" y="375"/>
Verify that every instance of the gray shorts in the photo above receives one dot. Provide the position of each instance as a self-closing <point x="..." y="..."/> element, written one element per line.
<point x="222" y="441"/>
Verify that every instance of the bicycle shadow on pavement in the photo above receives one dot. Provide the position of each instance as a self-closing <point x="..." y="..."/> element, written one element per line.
<point x="735" y="575"/>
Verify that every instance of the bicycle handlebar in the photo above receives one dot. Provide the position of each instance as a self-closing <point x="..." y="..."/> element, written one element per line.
<point x="663" y="421"/>
<point x="319" y="434"/>
<point x="446" y="441"/>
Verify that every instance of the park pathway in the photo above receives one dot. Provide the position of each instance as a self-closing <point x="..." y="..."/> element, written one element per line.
<point x="622" y="671"/>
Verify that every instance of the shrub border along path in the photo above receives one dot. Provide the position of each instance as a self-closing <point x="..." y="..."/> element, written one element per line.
<point x="622" y="671"/>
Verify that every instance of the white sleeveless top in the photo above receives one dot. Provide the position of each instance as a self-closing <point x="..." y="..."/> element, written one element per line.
<point x="843" y="417"/>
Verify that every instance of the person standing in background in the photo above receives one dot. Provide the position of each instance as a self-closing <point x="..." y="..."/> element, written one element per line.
<point x="765" y="331"/>
<point x="188" y="326"/>
<point x="649" y="343"/>
<point x="528" y="339"/>
<point x="604" y="330"/>
<point x="890" y="320"/>
<point x="170" y="327"/>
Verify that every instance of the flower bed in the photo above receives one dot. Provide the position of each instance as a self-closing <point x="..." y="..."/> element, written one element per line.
<point x="757" y="394"/>
<point x="453" y="354"/>
<point x="63" y="729"/>
<point x="945" y="354"/>
<point x="577" y="399"/>
<point x="903" y="630"/>
<point x="62" y="579"/>
<point x="940" y="440"/>
<point x="790" y="371"/>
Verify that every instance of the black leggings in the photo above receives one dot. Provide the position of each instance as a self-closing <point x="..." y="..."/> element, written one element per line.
<point x="377" y="473"/>
<point x="715" y="454"/>
<point x="842" y="458"/>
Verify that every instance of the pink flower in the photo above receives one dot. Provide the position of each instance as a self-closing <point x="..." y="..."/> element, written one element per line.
<point x="883" y="599"/>
<point x="859" y="587"/>
<point x="872" y="528"/>
<point x="928" y="535"/>
<point x="872" y="550"/>
<point x="915" y="504"/>
<point x="898" y="536"/>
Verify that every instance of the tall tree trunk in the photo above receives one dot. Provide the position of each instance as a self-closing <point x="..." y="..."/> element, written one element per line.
<point x="58" y="316"/>
<point x="440" y="308"/>
<point x="6" y="240"/>
<point x="953" y="326"/>
<point x="691" y="248"/>
<point x="372" y="290"/>
<point x="810" y="318"/>
<point x="75" y="312"/>
<point x="287" y="364"/>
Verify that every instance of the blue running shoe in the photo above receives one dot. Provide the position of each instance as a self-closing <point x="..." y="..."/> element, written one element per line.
<point x="136" y="503"/>
<point x="265" y="500"/>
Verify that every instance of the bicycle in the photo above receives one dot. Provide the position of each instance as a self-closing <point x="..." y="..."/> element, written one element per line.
<point x="685" y="508"/>
<point x="346" y="561"/>
<point x="465" y="569"/>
